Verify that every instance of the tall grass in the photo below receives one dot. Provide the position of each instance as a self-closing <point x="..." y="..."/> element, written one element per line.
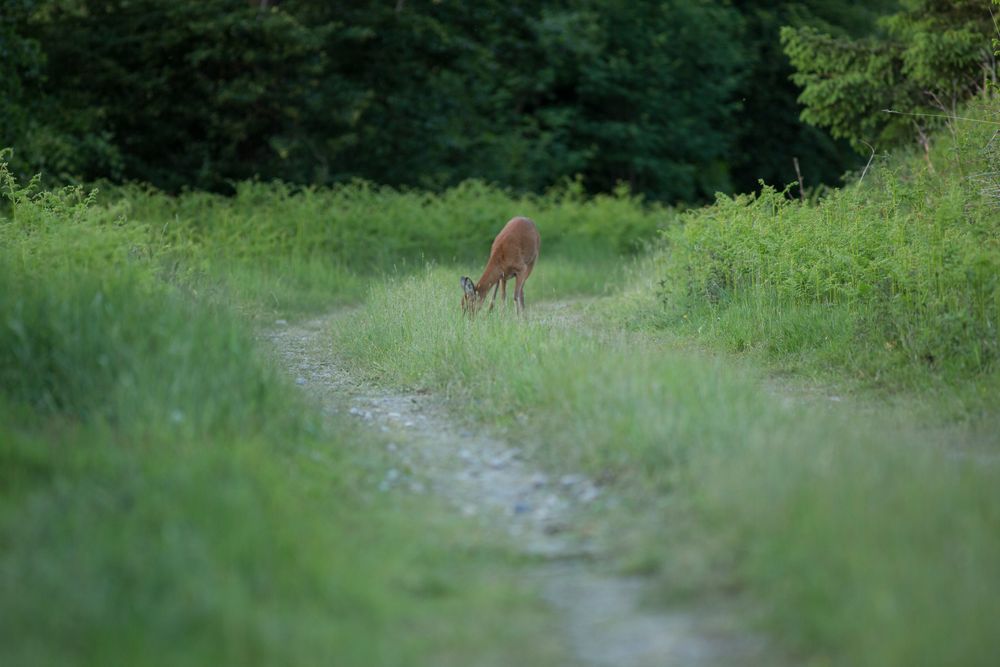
<point x="895" y="280"/>
<point x="167" y="498"/>
<point x="299" y="249"/>
<point x="867" y="543"/>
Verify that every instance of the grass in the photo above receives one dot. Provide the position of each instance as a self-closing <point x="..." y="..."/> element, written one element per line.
<point x="893" y="281"/>
<point x="285" y="251"/>
<point x="168" y="498"/>
<point x="160" y="480"/>
<point x="867" y="542"/>
<point x="867" y="534"/>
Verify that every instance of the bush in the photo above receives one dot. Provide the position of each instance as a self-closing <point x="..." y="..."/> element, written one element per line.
<point x="907" y="261"/>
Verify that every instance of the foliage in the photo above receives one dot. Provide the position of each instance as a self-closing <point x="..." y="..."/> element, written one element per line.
<point x="45" y="138"/>
<point x="770" y="134"/>
<point x="667" y="97"/>
<point x="934" y="56"/>
<point x="894" y="277"/>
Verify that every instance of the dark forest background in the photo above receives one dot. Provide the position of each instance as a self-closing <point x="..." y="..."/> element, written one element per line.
<point x="677" y="99"/>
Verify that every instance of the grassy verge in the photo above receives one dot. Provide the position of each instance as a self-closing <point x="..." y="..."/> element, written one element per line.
<point x="166" y="498"/>
<point x="892" y="282"/>
<point x="867" y="543"/>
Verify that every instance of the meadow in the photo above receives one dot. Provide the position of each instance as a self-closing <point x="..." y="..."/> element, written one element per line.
<point x="167" y="497"/>
<point x="161" y="477"/>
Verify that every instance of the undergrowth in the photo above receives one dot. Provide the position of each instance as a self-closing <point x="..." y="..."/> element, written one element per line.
<point x="895" y="280"/>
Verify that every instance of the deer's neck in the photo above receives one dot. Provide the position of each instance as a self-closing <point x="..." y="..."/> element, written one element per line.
<point x="491" y="276"/>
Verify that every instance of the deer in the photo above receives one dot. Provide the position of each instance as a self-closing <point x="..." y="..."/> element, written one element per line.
<point x="513" y="255"/>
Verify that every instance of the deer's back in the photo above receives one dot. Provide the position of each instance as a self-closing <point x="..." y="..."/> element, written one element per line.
<point x="517" y="244"/>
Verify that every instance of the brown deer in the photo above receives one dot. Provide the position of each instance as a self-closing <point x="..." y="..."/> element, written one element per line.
<point x="513" y="255"/>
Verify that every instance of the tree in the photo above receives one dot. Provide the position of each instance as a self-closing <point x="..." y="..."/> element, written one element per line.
<point x="935" y="54"/>
<point x="770" y="132"/>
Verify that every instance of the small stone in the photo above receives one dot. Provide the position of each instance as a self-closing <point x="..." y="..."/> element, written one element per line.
<point x="416" y="487"/>
<point x="570" y="480"/>
<point x="538" y="480"/>
<point x="281" y="322"/>
<point x="554" y="528"/>
<point x="521" y="508"/>
<point x="392" y="446"/>
<point x="408" y="424"/>
<point x="300" y="381"/>
<point x="468" y="510"/>
<point x="589" y="494"/>
<point x="465" y="455"/>
<point x="392" y="474"/>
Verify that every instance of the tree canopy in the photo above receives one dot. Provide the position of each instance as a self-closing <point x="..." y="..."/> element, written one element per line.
<point x="677" y="99"/>
<point x="932" y="56"/>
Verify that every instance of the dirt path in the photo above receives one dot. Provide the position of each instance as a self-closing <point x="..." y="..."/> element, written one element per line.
<point x="489" y="480"/>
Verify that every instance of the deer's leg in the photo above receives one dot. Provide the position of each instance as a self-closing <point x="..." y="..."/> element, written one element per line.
<point x="519" y="292"/>
<point x="495" y="288"/>
<point x="503" y="290"/>
<point x="522" y="277"/>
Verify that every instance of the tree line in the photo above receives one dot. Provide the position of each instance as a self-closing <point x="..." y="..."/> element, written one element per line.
<point x="678" y="99"/>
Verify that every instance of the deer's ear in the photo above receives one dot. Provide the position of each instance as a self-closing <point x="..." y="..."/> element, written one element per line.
<point x="468" y="286"/>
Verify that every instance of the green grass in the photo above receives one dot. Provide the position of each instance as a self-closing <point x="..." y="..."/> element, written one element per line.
<point x="893" y="282"/>
<point x="290" y="251"/>
<point x="168" y="498"/>
<point x="865" y="540"/>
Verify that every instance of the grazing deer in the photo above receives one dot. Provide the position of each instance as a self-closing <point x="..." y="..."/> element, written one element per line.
<point x="513" y="255"/>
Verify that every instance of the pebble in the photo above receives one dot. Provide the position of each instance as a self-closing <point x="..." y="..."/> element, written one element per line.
<point x="521" y="508"/>
<point x="363" y="414"/>
<point x="538" y="480"/>
<point x="554" y="528"/>
<point x="392" y="446"/>
<point x="300" y="381"/>
<point x="497" y="462"/>
<point x="281" y="322"/>
<point x="570" y="480"/>
<point x="589" y="495"/>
